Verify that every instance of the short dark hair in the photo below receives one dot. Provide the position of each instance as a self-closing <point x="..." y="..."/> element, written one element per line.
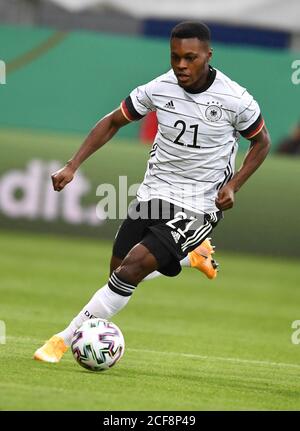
<point x="190" y="29"/>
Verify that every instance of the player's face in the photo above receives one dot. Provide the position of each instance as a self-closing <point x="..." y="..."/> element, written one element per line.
<point x="189" y="60"/>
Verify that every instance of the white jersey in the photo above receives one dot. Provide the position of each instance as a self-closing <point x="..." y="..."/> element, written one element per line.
<point x="194" y="151"/>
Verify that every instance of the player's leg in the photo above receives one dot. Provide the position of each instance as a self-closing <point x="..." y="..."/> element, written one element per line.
<point x="107" y="301"/>
<point x="114" y="295"/>
<point x="200" y="258"/>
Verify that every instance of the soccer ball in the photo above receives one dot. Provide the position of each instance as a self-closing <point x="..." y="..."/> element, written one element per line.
<point x="98" y="344"/>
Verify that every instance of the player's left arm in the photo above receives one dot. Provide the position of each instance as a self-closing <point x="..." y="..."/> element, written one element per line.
<point x="256" y="154"/>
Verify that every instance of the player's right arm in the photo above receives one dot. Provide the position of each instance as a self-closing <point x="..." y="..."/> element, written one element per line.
<point x="101" y="133"/>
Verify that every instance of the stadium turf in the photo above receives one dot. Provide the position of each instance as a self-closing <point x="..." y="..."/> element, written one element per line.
<point x="191" y="344"/>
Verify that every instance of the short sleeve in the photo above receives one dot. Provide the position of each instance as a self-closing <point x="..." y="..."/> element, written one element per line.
<point x="248" y="121"/>
<point x="138" y="103"/>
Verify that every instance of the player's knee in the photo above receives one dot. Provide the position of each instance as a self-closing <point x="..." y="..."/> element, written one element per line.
<point x="132" y="270"/>
<point x="137" y="265"/>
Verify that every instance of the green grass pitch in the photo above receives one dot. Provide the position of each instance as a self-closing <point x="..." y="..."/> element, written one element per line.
<point x="191" y="344"/>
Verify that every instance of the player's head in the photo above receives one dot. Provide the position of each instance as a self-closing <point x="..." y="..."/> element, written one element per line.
<point x="190" y="52"/>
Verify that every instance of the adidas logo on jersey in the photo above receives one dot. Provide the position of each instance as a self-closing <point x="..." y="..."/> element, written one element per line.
<point x="175" y="235"/>
<point x="170" y="105"/>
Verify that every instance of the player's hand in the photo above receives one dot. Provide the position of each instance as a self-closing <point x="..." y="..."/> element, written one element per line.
<point x="62" y="177"/>
<point x="225" y="198"/>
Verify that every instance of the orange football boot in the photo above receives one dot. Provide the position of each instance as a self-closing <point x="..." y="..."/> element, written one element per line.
<point x="201" y="258"/>
<point x="52" y="351"/>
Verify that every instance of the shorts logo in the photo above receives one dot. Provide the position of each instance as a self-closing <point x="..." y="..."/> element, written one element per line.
<point x="175" y="235"/>
<point x="213" y="113"/>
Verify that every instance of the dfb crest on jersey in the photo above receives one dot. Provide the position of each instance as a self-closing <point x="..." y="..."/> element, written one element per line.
<point x="213" y="113"/>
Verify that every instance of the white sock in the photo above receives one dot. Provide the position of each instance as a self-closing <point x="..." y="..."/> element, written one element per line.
<point x="152" y="275"/>
<point x="104" y="304"/>
<point x="184" y="262"/>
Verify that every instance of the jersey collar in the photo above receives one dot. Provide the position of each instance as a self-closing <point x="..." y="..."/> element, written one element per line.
<point x="210" y="79"/>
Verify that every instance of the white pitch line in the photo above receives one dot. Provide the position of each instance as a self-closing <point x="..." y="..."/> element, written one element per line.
<point x="218" y="358"/>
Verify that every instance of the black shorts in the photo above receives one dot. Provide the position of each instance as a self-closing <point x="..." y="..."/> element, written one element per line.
<point x="168" y="231"/>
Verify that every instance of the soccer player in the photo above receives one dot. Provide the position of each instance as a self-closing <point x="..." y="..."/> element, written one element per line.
<point x="190" y="177"/>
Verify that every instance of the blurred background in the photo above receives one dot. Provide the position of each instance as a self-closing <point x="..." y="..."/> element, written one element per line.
<point x="69" y="62"/>
<point x="222" y="344"/>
